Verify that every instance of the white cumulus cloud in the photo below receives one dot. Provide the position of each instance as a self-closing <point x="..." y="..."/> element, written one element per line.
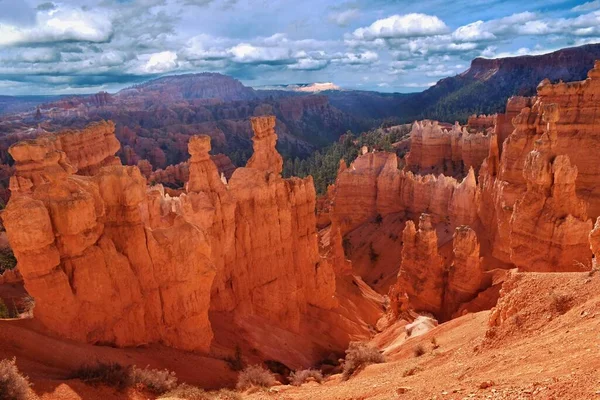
<point x="402" y="26"/>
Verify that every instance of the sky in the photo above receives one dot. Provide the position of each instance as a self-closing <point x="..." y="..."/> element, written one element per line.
<point x="85" y="46"/>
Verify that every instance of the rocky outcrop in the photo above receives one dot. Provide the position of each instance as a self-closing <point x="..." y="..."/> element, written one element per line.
<point x="265" y="156"/>
<point x="427" y="282"/>
<point x="421" y="277"/>
<point x="56" y="156"/>
<point x="480" y="123"/>
<point x="97" y="273"/>
<point x="549" y="227"/>
<point x="466" y="274"/>
<point x="175" y="176"/>
<point x="436" y="150"/>
<point x="91" y="148"/>
<point x="562" y="119"/>
<point x="110" y="261"/>
<point x="373" y="185"/>
<point x="595" y="240"/>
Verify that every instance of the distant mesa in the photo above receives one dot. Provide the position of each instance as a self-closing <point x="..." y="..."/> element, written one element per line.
<point x="303" y="87"/>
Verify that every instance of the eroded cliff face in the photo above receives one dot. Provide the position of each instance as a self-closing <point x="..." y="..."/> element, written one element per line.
<point x="421" y="277"/>
<point x="431" y="283"/>
<point x="97" y="272"/>
<point x="110" y="261"/>
<point x="534" y="204"/>
<point x="265" y="156"/>
<point x="562" y="119"/>
<point x="435" y="150"/>
<point x="373" y="185"/>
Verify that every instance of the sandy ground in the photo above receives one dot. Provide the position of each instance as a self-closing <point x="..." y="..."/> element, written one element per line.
<point x="537" y="353"/>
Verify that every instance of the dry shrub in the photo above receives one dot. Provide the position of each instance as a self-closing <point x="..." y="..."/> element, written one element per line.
<point x="226" y="394"/>
<point x="299" y="377"/>
<point x="4" y="313"/>
<point x="109" y="374"/>
<point x="411" y="371"/>
<point x="434" y="343"/>
<point x="358" y="356"/>
<point x="418" y="350"/>
<point x="189" y="392"/>
<point x="561" y="303"/>
<point x="255" y="375"/>
<point x="13" y="385"/>
<point x="120" y="377"/>
<point x="155" y="380"/>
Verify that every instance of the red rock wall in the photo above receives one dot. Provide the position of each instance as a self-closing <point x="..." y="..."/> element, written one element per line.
<point x="564" y="117"/>
<point x="436" y="150"/>
<point x="374" y="185"/>
<point x="109" y="261"/>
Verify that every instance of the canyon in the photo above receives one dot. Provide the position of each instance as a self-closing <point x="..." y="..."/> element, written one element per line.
<point x="488" y="231"/>
<point x="110" y="260"/>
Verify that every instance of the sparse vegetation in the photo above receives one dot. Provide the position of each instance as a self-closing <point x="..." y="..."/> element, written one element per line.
<point x="411" y="371"/>
<point x="155" y="380"/>
<point x="28" y="306"/>
<point x="323" y="164"/>
<point x="561" y="303"/>
<point x="418" y="350"/>
<point x="120" y="377"/>
<point x="189" y="392"/>
<point x="358" y="356"/>
<point x="434" y="343"/>
<point x="378" y="219"/>
<point x="255" y="375"/>
<point x="4" y="313"/>
<point x="7" y="259"/>
<point x="13" y="385"/>
<point x="109" y="374"/>
<point x="299" y="377"/>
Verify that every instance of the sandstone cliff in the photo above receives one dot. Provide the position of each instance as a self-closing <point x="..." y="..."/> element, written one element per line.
<point x="563" y="117"/>
<point x="373" y="185"/>
<point x="109" y="261"/>
<point x="421" y="276"/>
<point x="436" y="150"/>
<point x="97" y="273"/>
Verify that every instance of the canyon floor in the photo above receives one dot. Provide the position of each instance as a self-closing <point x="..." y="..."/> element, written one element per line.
<point x="545" y="350"/>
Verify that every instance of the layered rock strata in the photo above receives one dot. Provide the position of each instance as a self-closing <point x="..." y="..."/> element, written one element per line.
<point x="109" y="261"/>
<point x="373" y="185"/>
<point x="436" y="150"/>
<point x="562" y="119"/>
<point x="429" y="283"/>
<point x="421" y="278"/>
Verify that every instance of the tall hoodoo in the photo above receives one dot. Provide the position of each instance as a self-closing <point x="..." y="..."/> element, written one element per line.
<point x="96" y="272"/>
<point x="265" y="156"/>
<point x="465" y="275"/>
<point x="421" y="276"/>
<point x="110" y="261"/>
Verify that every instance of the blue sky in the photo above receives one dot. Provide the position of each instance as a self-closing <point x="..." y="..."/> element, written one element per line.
<point x="83" y="46"/>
